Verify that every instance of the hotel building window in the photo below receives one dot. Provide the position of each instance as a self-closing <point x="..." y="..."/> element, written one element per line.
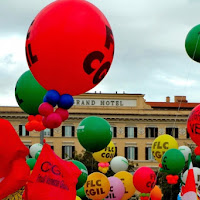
<point x="151" y="132"/>
<point x="172" y="131"/>
<point x="23" y="131"/>
<point x="114" y="131"/>
<point x="115" y="151"/>
<point x="52" y="147"/>
<point x="68" y="152"/>
<point x="131" y="153"/>
<point x="131" y="132"/>
<point x="68" y="131"/>
<point x="148" y="154"/>
<point x="48" y="132"/>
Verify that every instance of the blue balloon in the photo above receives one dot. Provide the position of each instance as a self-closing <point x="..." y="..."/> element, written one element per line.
<point x="66" y="101"/>
<point x="52" y="97"/>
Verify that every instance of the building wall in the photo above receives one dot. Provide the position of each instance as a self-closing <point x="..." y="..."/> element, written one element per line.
<point x="120" y="110"/>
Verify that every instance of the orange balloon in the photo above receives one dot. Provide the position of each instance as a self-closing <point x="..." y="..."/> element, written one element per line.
<point x="97" y="186"/>
<point x="156" y="193"/>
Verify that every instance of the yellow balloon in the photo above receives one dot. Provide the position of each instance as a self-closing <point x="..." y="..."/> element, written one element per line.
<point x="78" y="198"/>
<point x="106" y="154"/>
<point x="97" y="186"/>
<point x="127" y="179"/>
<point x="161" y="144"/>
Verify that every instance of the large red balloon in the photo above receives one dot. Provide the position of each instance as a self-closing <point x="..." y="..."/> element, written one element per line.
<point x="193" y="125"/>
<point x="144" y="179"/>
<point x="69" y="46"/>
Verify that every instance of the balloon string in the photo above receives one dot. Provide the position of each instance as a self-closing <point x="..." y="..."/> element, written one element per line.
<point x="196" y="45"/>
<point x="171" y="193"/>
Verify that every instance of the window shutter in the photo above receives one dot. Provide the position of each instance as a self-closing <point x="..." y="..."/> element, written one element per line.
<point x="115" y="132"/>
<point x="20" y="130"/>
<point x="27" y="133"/>
<point x="156" y="132"/>
<point x="176" y="132"/>
<point x="126" y="152"/>
<point x="136" y="153"/>
<point x="51" y="132"/>
<point x="63" y="131"/>
<point x="73" y="131"/>
<point x="126" y="132"/>
<point x="63" y="152"/>
<point x="135" y="132"/>
<point x="73" y="151"/>
<point x="146" y="132"/>
<point x="115" y="151"/>
<point x="28" y="146"/>
<point x="146" y="153"/>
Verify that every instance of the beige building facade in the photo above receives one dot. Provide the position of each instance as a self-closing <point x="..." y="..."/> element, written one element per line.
<point x="134" y="121"/>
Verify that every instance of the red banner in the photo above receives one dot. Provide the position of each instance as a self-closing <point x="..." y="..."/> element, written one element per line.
<point x="52" y="178"/>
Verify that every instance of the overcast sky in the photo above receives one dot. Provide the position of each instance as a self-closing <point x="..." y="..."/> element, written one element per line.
<point x="150" y="56"/>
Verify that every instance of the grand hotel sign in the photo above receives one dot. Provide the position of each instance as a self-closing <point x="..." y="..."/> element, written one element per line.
<point x="105" y="102"/>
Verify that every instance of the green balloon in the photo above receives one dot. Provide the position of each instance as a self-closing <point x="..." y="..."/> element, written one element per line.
<point x="94" y="133"/>
<point x="83" y="177"/>
<point x="197" y="159"/>
<point x="29" y="93"/>
<point x="31" y="162"/>
<point x="192" y="43"/>
<point x="173" y="161"/>
<point x="37" y="154"/>
<point x="80" y="192"/>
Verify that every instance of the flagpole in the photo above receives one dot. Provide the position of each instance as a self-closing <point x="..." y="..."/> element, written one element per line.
<point x="41" y="137"/>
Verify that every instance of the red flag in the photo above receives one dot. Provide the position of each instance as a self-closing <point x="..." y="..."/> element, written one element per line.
<point x="189" y="190"/>
<point x="52" y="178"/>
<point x="14" y="170"/>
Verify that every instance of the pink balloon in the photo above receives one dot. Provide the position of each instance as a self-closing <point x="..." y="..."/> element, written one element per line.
<point x="45" y="109"/>
<point x="116" y="189"/>
<point x="63" y="113"/>
<point x="52" y="121"/>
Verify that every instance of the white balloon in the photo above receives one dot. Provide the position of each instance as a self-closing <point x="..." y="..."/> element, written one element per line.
<point x="119" y="163"/>
<point x="185" y="150"/>
<point x="35" y="148"/>
<point x="196" y="177"/>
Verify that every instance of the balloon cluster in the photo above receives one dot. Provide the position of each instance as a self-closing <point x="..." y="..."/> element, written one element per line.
<point x="103" y="167"/>
<point x="51" y="99"/>
<point x="173" y="162"/>
<point x="34" y="123"/>
<point x="144" y="196"/>
<point x="104" y="157"/>
<point x="172" y="179"/>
